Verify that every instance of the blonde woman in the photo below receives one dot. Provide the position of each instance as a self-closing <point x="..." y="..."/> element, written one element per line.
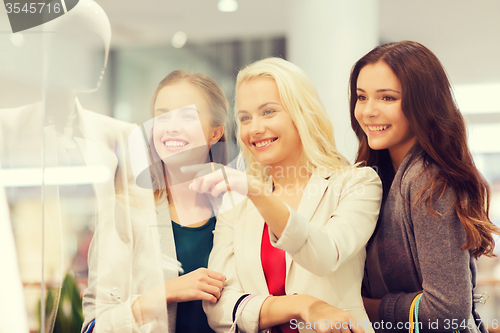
<point x="293" y="251"/>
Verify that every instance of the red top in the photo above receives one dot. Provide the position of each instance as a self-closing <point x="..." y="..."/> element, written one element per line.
<point x="274" y="266"/>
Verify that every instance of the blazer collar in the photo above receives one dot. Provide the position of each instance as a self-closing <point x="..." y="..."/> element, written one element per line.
<point x="252" y="233"/>
<point x="313" y="193"/>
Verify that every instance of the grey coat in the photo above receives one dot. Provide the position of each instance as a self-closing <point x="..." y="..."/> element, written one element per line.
<point x="411" y="251"/>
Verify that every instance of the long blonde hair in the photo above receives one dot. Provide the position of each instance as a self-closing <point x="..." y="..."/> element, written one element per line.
<point x="218" y="110"/>
<point x="301" y="101"/>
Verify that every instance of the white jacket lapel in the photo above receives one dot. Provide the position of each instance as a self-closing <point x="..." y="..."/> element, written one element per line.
<point x="253" y="228"/>
<point x="313" y="193"/>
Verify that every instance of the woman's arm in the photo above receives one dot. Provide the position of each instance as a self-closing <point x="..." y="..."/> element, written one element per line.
<point x="262" y="311"/>
<point x="220" y="314"/>
<point x="201" y="284"/>
<point x="277" y="310"/>
<point x="321" y="249"/>
<point x="272" y="209"/>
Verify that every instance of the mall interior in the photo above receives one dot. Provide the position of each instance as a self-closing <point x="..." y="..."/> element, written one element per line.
<point x="109" y="57"/>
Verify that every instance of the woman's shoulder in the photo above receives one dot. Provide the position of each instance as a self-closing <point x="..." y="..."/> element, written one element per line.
<point x="416" y="168"/>
<point x="417" y="175"/>
<point x="422" y="183"/>
<point x="362" y="182"/>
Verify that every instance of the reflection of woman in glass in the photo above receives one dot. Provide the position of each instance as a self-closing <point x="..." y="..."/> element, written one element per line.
<point x="190" y="111"/>
<point x="296" y="243"/>
<point x="434" y="220"/>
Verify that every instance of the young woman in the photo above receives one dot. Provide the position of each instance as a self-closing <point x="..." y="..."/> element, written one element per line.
<point x="133" y="272"/>
<point x="434" y="219"/>
<point x="293" y="250"/>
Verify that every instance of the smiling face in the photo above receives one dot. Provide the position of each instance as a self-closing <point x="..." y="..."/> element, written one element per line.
<point x="266" y="129"/>
<point x="379" y="113"/>
<point x="182" y="123"/>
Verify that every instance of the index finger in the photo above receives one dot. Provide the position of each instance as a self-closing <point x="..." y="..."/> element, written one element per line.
<point x="200" y="167"/>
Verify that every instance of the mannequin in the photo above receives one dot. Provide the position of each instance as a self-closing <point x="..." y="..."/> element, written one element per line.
<point x="12" y="317"/>
<point x="59" y="132"/>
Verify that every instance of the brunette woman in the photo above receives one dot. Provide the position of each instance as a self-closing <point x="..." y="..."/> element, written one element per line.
<point x="434" y="219"/>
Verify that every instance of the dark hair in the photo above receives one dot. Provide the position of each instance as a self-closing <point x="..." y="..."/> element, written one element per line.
<point x="218" y="110"/>
<point x="428" y="104"/>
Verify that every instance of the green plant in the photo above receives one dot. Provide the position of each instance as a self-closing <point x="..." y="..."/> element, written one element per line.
<point x="69" y="316"/>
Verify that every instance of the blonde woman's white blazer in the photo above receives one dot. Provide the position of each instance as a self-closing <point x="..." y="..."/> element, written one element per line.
<point x="324" y="242"/>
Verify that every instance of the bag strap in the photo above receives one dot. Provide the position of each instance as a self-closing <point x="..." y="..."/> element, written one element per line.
<point x="417" y="304"/>
<point x="412" y="308"/>
<point x="234" y="327"/>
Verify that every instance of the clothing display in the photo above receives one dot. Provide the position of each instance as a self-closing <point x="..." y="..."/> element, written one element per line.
<point x="132" y="252"/>
<point x="88" y="139"/>
<point x="137" y="252"/>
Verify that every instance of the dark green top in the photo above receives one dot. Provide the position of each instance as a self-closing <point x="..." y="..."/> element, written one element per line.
<point x="193" y="246"/>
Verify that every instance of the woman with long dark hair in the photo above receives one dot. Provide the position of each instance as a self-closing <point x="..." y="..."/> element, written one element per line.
<point x="434" y="219"/>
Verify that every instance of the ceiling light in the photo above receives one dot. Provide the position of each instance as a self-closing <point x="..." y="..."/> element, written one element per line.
<point x="17" y="39"/>
<point x="227" y="5"/>
<point x="179" y="39"/>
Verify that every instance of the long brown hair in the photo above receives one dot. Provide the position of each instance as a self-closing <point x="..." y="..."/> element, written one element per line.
<point x="428" y="104"/>
<point x="218" y="110"/>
